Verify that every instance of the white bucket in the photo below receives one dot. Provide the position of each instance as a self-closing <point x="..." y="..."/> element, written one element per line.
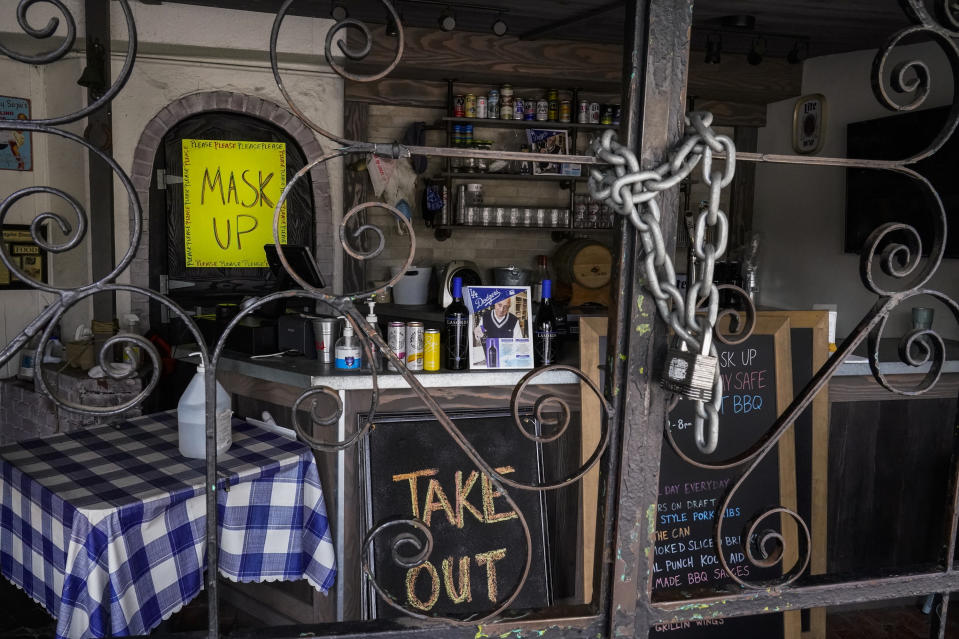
<point x="413" y="288"/>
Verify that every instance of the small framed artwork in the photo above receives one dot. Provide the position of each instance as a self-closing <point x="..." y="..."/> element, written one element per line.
<point x="809" y="123"/>
<point x="16" y="147"/>
<point x="552" y="141"/>
<point x="501" y="327"/>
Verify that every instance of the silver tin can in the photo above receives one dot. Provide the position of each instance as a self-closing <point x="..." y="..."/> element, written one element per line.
<point x="582" y="115"/>
<point x="481" y="106"/>
<point x="414" y="346"/>
<point x="492" y="106"/>
<point x="518" y="108"/>
<point x="325" y="334"/>
<point x="594" y="112"/>
<point x="501" y="217"/>
<point x="396" y="338"/>
<point x="542" y="110"/>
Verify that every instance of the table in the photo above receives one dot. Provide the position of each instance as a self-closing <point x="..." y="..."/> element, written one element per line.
<point x="106" y="527"/>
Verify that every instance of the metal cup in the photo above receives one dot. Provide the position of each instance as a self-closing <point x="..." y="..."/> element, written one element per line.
<point x="325" y="334"/>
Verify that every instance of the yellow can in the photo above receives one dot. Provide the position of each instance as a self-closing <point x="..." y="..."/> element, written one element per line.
<point x="431" y="350"/>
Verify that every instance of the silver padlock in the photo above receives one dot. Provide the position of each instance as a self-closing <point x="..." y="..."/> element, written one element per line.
<point x="691" y="374"/>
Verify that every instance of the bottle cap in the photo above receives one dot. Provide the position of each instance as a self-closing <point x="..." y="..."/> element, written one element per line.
<point x="347" y="329"/>
<point x="200" y="368"/>
<point x="457" y="287"/>
<point x="547" y="289"/>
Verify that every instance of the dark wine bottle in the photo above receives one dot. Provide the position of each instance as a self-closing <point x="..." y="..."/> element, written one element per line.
<point x="545" y="338"/>
<point x="457" y="330"/>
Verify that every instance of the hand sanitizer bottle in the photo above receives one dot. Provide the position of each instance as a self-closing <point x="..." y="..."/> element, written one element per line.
<point x="191" y="417"/>
<point x="348" y="352"/>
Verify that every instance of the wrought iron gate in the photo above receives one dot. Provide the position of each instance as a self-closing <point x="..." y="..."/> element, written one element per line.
<point x="655" y="70"/>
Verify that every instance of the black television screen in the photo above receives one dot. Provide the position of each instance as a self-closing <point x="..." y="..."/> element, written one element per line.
<point x="874" y="197"/>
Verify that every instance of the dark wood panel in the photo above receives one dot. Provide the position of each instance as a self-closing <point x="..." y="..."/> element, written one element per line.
<point x="888" y="476"/>
<point x="431" y="55"/>
<point x="862" y="388"/>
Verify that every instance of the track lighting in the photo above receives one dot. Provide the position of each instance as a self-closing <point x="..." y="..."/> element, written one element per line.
<point x="714" y="46"/>
<point x="798" y="53"/>
<point x="499" y="25"/>
<point x="447" y="20"/>
<point x="338" y="11"/>
<point x="755" y="55"/>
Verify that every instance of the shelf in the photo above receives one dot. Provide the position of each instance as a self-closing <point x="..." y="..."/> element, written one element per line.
<point x="513" y="176"/>
<point x="528" y="124"/>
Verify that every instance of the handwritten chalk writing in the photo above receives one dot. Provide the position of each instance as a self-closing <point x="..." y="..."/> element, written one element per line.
<point x="465" y="593"/>
<point x="748" y="355"/>
<point x="745" y="380"/>
<point x="731" y="541"/>
<point x="679" y="533"/>
<point x="707" y="515"/>
<point x="677" y="505"/>
<point x="660" y="536"/>
<point x="707" y="560"/>
<point x="670" y="489"/>
<point x="672" y="518"/>
<point x="489" y="560"/>
<point x="682" y="424"/>
<point x="702" y="486"/>
<point x="411" y="597"/>
<point x="737" y="557"/>
<point x="679" y="564"/>
<point x="697" y="577"/>
<point x="412" y="477"/>
<point x="701" y="503"/>
<point x="667" y="582"/>
<point x="700" y="544"/>
<point x="739" y="571"/>
<point x="436" y="498"/>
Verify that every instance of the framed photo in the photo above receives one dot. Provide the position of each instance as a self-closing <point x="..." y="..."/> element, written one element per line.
<point x="809" y="123"/>
<point x="501" y="327"/>
<point x="16" y="147"/>
<point x="25" y="255"/>
<point x="548" y="141"/>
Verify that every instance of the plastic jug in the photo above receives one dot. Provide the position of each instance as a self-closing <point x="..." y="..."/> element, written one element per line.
<point x="191" y="417"/>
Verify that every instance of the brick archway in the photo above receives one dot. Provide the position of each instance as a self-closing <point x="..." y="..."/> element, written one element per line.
<point x="227" y="101"/>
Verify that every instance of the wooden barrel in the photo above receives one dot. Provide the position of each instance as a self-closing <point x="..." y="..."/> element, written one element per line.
<point x="585" y="262"/>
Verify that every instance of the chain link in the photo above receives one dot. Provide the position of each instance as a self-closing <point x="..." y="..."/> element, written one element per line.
<point x="632" y="192"/>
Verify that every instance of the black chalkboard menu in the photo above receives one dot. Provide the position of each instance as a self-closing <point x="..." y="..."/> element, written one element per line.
<point x="415" y="471"/>
<point x="686" y="560"/>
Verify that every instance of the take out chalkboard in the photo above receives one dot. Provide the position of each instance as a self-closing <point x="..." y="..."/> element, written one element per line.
<point x="757" y="386"/>
<point x="415" y="471"/>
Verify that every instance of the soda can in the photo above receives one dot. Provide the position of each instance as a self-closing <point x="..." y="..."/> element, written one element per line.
<point x="594" y="110"/>
<point x="565" y="111"/>
<point x="414" y="346"/>
<point x="431" y="350"/>
<point x="542" y="110"/>
<point x="469" y="105"/>
<point x="459" y="106"/>
<point x="492" y="105"/>
<point x="396" y="338"/>
<point x="481" y="106"/>
<point x="518" y="108"/>
<point x="529" y="109"/>
<point x="583" y="115"/>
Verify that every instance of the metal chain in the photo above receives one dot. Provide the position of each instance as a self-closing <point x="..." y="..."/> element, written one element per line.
<point x="631" y="192"/>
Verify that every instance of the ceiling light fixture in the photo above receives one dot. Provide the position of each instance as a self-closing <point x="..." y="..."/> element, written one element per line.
<point x="714" y="46"/>
<point x="755" y="55"/>
<point x="447" y="20"/>
<point x="798" y="53"/>
<point x="499" y="26"/>
<point x="338" y="11"/>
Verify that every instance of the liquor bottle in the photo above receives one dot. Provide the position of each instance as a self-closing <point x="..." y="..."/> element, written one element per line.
<point x="545" y="338"/>
<point x="540" y="276"/>
<point x="457" y="330"/>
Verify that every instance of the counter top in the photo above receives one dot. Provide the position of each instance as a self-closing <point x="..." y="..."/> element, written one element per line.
<point x="304" y="373"/>
<point x="889" y="362"/>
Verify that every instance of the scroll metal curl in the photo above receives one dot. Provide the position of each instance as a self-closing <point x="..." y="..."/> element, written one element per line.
<point x="59" y="52"/>
<point x="353" y="54"/>
<point x="560" y="426"/>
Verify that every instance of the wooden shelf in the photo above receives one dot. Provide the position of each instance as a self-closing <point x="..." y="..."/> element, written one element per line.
<point x="513" y="176"/>
<point x="528" y="124"/>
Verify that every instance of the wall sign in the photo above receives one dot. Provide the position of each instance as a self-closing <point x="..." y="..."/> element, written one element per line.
<point x="809" y="123"/>
<point x="230" y="189"/>
<point x="16" y="148"/>
<point x="19" y="246"/>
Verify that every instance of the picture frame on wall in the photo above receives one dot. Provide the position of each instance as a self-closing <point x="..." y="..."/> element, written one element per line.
<point x="16" y="147"/>
<point x="809" y="123"/>
<point x="501" y="327"/>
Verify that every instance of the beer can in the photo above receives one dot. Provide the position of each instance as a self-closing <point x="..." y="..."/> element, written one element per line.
<point x="396" y="338"/>
<point x="518" y="108"/>
<point x="481" y="106"/>
<point x="594" y="110"/>
<point x="553" y="98"/>
<point x="459" y="106"/>
<point x="583" y="115"/>
<point x="468" y="135"/>
<point x="414" y="346"/>
<point x="542" y="110"/>
<point x="565" y="111"/>
<point x="457" y="135"/>
<point x="492" y="105"/>
<point x="529" y="109"/>
<point x="606" y="114"/>
<point x="617" y="113"/>
<point x="431" y="350"/>
<point x="469" y="105"/>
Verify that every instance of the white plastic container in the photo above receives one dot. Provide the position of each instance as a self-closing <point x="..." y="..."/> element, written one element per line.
<point x="191" y="418"/>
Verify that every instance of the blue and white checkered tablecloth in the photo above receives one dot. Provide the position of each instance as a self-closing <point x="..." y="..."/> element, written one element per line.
<point x="107" y="526"/>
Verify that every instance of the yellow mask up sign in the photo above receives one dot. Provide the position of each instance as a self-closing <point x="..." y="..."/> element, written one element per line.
<point x="230" y="189"/>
